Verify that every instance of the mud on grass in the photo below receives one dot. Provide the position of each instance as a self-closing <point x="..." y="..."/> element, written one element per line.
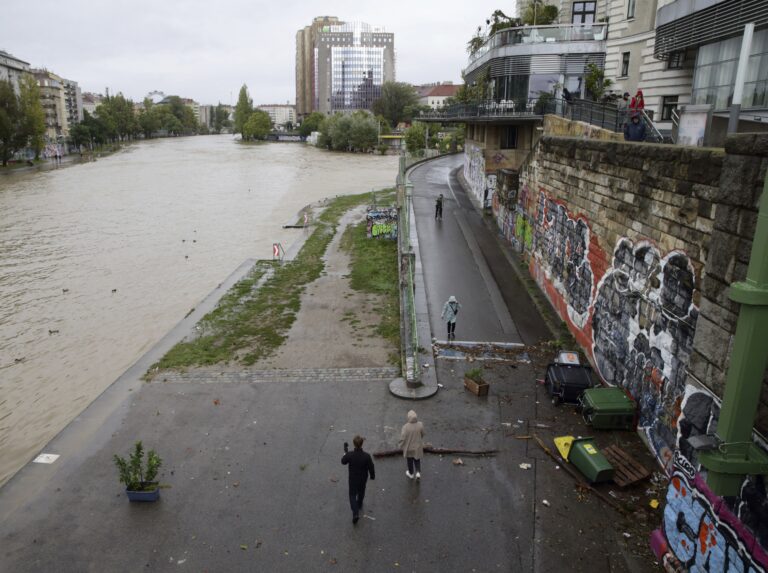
<point x="250" y="323"/>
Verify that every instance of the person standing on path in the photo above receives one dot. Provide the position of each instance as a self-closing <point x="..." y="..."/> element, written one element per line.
<point x="439" y="208"/>
<point x="450" y="310"/>
<point x="412" y="442"/>
<point x="360" y="467"/>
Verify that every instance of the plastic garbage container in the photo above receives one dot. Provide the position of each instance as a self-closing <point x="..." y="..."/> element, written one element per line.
<point x="608" y="409"/>
<point x="589" y="461"/>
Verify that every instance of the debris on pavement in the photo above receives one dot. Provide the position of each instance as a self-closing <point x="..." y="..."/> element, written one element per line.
<point x="545" y="502"/>
<point x="458" y="462"/>
<point x="525" y="466"/>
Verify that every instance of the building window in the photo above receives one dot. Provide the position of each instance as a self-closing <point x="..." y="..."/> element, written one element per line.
<point x="624" y="64"/>
<point x="675" y="60"/>
<point x="630" y="9"/>
<point x="668" y="104"/>
<point x="508" y="137"/>
<point x="583" y="13"/>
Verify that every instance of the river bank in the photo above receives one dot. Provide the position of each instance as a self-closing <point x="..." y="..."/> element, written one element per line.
<point x="101" y="259"/>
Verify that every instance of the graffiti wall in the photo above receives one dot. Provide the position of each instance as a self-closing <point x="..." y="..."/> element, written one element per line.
<point x="382" y="223"/>
<point x="643" y="323"/>
<point x="475" y="175"/>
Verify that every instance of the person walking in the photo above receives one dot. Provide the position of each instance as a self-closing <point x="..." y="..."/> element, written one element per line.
<point x="635" y="130"/>
<point x="622" y="106"/>
<point x="637" y="105"/>
<point x="412" y="442"/>
<point x="360" y="467"/>
<point x="450" y="310"/>
<point x="439" y="208"/>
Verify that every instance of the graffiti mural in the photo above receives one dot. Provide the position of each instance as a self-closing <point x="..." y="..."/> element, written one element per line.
<point x="382" y="223"/>
<point x="562" y="251"/>
<point x="643" y="325"/>
<point x="700" y="532"/>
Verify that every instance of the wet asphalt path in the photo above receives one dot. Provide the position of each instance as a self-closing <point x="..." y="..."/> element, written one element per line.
<point x="461" y="256"/>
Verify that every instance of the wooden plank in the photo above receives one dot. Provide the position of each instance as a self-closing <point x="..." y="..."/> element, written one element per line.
<point x="627" y="470"/>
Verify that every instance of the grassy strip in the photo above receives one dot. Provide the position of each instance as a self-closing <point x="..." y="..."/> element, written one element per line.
<point x="374" y="270"/>
<point x="250" y="324"/>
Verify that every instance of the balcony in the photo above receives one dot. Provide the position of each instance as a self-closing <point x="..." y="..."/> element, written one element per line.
<point x="536" y="39"/>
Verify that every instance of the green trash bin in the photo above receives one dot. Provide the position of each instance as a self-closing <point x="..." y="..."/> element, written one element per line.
<point x="608" y="409"/>
<point x="589" y="461"/>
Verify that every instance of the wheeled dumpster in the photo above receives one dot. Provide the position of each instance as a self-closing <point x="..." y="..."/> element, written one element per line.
<point x="589" y="461"/>
<point x="566" y="378"/>
<point x="608" y="409"/>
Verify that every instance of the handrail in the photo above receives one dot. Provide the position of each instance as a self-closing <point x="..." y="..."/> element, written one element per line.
<point x="540" y="34"/>
<point x="649" y="122"/>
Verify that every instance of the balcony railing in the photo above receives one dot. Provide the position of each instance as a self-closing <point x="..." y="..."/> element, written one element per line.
<point x="541" y="34"/>
<point x="496" y="109"/>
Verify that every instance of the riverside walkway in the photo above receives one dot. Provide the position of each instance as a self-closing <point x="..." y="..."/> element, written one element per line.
<point x="252" y="458"/>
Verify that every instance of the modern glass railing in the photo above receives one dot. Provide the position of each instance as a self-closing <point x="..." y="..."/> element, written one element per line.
<point x="541" y="34"/>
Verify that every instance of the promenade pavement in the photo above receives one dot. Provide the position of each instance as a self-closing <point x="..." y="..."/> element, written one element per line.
<point x="252" y="472"/>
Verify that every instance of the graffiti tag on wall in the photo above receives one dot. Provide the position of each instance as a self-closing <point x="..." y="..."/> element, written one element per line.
<point x="643" y="325"/>
<point x="701" y="531"/>
<point x="562" y="248"/>
<point x="382" y="223"/>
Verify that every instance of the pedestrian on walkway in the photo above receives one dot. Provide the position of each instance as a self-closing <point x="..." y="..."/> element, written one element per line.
<point x="450" y="310"/>
<point x="637" y="105"/>
<point x="622" y="107"/>
<point x="412" y="442"/>
<point x="360" y="467"/>
<point x="439" y="208"/>
<point x="635" y="130"/>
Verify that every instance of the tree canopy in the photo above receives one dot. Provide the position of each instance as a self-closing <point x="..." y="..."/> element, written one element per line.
<point x="311" y="123"/>
<point x="397" y="103"/>
<point x="540" y="14"/>
<point x="22" y="118"/>
<point x="355" y="132"/>
<point x="243" y="110"/>
<point x="257" y="126"/>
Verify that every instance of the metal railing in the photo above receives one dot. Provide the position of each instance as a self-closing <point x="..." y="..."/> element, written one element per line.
<point x="491" y="108"/>
<point x="540" y="34"/>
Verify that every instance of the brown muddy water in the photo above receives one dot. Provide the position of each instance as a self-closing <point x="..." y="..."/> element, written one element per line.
<point x="99" y="260"/>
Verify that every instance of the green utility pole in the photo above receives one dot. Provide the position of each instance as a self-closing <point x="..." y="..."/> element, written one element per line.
<point x="735" y="455"/>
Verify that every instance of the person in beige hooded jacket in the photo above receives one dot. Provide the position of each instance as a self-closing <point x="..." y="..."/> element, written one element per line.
<point x="412" y="442"/>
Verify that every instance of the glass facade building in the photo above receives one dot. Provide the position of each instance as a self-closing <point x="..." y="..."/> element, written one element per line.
<point x="352" y="61"/>
<point x="715" y="73"/>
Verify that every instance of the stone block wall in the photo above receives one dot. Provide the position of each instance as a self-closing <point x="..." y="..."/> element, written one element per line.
<point x="635" y="246"/>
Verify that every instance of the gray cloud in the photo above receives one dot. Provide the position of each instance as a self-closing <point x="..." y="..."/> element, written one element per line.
<point x="206" y="51"/>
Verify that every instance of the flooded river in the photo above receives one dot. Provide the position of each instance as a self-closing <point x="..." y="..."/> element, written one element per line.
<point x="99" y="260"/>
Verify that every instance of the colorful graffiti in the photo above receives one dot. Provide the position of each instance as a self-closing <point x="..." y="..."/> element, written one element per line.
<point x="643" y="323"/>
<point x="382" y="223"/>
<point x="700" y="532"/>
<point x="562" y="250"/>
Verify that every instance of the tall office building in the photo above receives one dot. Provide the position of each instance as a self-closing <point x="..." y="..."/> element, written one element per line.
<point x="345" y="68"/>
<point x="305" y="63"/>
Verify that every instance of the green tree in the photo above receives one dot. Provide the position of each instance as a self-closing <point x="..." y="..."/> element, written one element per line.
<point x="12" y="136"/>
<point x="220" y="118"/>
<point x="149" y="121"/>
<point x="416" y="135"/>
<point x="396" y="103"/>
<point x="257" y="126"/>
<point x="33" y="114"/>
<point x="243" y="110"/>
<point x="364" y="133"/>
<point x="596" y="82"/>
<point x="311" y="123"/>
<point x="540" y="14"/>
<point x="80" y="134"/>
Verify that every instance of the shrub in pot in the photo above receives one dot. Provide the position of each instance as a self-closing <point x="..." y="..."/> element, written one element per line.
<point x="138" y="475"/>
<point x="474" y="382"/>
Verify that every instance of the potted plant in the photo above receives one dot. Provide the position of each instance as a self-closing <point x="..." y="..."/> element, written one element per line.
<point x="473" y="381"/>
<point x="139" y="477"/>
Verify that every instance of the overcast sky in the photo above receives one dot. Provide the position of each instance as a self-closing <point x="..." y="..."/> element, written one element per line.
<point x="206" y="50"/>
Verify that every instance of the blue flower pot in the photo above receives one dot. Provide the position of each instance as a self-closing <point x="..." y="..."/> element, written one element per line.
<point x="148" y="495"/>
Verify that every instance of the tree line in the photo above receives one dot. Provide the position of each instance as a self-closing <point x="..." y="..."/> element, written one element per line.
<point x="22" y="118"/>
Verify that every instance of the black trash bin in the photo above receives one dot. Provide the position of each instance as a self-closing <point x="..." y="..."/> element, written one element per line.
<point x="567" y="378"/>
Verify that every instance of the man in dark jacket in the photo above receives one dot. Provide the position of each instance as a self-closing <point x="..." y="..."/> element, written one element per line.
<point x="635" y="130"/>
<point x="360" y="466"/>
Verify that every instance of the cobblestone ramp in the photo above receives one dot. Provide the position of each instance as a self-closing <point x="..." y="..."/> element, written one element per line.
<point x="288" y="375"/>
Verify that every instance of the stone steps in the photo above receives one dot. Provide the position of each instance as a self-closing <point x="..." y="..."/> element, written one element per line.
<point x="385" y="374"/>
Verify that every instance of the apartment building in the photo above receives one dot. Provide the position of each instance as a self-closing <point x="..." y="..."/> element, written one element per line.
<point x="280" y="114"/>
<point x="12" y="68"/>
<point x="54" y="102"/>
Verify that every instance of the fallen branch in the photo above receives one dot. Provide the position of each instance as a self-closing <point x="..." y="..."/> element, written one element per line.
<point x="579" y="480"/>
<point x="438" y="451"/>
